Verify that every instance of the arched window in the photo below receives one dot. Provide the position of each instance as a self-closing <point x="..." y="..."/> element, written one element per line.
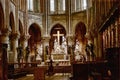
<point x="34" y="5"/>
<point x="64" y="6"/>
<point x="57" y="6"/>
<point x="84" y="6"/>
<point x="30" y="5"/>
<point x="61" y="6"/>
<point x="22" y="5"/>
<point x="52" y="5"/>
<point x="79" y="5"/>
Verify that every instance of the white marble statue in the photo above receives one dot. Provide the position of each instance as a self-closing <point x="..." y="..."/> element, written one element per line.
<point x="39" y="52"/>
<point x="57" y="47"/>
<point x="77" y="46"/>
<point x="60" y="49"/>
<point x="79" y="51"/>
<point x="64" y="45"/>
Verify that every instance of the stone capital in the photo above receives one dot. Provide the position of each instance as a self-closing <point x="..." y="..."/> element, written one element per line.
<point x="24" y="37"/>
<point x="14" y="36"/>
<point x="4" y="35"/>
<point x="5" y="32"/>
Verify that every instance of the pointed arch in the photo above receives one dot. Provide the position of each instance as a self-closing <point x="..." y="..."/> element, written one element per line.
<point x="55" y="28"/>
<point x="80" y="31"/>
<point x="12" y="27"/>
<point x="35" y="37"/>
<point x="58" y="27"/>
<point x="1" y="17"/>
<point x="21" y="29"/>
<point x="35" y="29"/>
<point x="80" y="39"/>
<point x="12" y="22"/>
<point x="3" y="50"/>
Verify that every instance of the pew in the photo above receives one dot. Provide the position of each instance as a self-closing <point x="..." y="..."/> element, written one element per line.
<point x="15" y="73"/>
<point x="95" y="69"/>
<point x="17" y="70"/>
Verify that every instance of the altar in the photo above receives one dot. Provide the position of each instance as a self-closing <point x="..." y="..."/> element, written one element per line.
<point x="59" y="53"/>
<point x="59" y="59"/>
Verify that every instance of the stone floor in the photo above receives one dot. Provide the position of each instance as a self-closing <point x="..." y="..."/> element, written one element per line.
<point x="54" y="77"/>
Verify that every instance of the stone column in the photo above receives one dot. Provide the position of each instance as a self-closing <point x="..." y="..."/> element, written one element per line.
<point x="4" y="36"/>
<point x="45" y="18"/>
<point x="14" y="43"/>
<point x="4" y="39"/>
<point x="24" y="40"/>
<point x="24" y="44"/>
<point x="45" y="41"/>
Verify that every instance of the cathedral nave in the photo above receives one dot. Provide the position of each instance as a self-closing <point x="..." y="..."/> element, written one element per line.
<point x="59" y="40"/>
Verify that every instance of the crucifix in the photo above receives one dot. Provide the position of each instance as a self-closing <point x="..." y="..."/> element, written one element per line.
<point x="58" y="36"/>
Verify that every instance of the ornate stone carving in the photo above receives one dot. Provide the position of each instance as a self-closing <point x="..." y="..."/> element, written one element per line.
<point x="5" y="32"/>
<point x="4" y="36"/>
<point x="14" y="36"/>
<point x="24" y="37"/>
